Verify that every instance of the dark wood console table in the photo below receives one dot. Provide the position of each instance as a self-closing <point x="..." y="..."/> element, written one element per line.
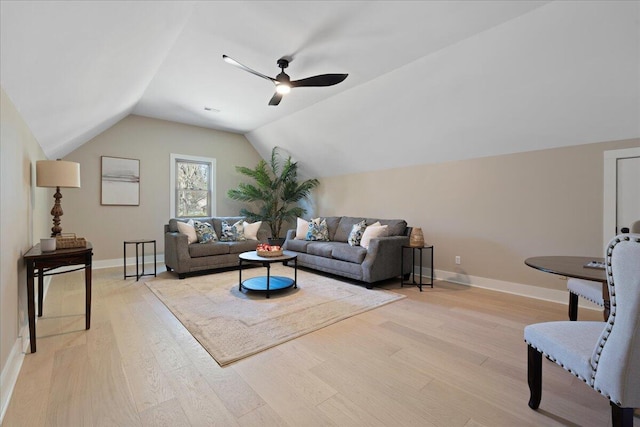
<point x="40" y="264"/>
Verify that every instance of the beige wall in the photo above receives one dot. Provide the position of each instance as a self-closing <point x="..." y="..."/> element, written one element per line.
<point x="151" y="141"/>
<point x="493" y="212"/>
<point x="24" y="219"/>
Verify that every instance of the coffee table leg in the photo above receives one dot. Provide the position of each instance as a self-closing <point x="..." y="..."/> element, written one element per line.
<point x="295" y="272"/>
<point x="240" y="278"/>
<point x="268" y="276"/>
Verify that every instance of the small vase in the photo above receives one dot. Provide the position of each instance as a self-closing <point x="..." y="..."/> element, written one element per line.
<point x="416" y="238"/>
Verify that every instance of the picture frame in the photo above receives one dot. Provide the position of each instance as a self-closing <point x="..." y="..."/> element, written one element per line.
<point x="120" y="181"/>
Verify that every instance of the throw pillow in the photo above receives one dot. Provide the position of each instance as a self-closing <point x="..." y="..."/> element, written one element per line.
<point x="188" y="229"/>
<point x="205" y="232"/>
<point x="318" y="230"/>
<point x="232" y="233"/>
<point x="302" y="228"/>
<point x="251" y="230"/>
<point x="356" y="233"/>
<point x="372" y="232"/>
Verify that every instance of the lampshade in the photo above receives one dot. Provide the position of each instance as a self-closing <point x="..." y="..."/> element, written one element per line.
<point x="57" y="173"/>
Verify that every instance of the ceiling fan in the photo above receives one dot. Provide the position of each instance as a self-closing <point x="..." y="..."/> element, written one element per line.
<point x="283" y="82"/>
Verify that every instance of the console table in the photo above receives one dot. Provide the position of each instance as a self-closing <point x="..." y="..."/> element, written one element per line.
<point x="40" y="264"/>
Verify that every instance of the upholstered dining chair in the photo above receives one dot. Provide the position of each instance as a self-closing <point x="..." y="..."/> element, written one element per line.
<point x="586" y="289"/>
<point x="605" y="355"/>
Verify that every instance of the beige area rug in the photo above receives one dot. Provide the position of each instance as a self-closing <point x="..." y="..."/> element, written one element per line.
<point x="232" y="325"/>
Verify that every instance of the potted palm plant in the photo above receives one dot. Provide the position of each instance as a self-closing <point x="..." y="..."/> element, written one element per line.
<point x="275" y="193"/>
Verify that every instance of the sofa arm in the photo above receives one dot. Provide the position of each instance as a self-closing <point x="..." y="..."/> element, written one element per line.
<point x="176" y="251"/>
<point x="383" y="258"/>
<point x="291" y="234"/>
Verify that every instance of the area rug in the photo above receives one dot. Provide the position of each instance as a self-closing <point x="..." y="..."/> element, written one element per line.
<point x="232" y="325"/>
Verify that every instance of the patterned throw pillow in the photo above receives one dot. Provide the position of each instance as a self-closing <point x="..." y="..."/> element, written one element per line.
<point x="232" y="233"/>
<point x="318" y="230"/>
<point x="356" y="233"/>
<point x="205" y="232"/>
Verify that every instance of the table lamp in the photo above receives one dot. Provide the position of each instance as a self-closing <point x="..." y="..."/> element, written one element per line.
<point x="57" y="173"/>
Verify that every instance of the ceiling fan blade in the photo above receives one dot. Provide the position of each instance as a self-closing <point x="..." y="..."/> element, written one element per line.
<point x="235" y="63"/>
<point x="275" y="99"/>
<point x="321" y="80"/>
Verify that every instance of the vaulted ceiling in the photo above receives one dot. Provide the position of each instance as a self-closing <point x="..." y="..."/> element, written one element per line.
<point x="428" y="81"/>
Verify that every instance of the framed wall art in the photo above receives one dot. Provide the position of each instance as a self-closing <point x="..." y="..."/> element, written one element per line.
<point x="120" y="181"/>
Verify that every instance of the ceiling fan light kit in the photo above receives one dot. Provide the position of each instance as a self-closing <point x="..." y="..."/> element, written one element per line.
<point x="283" y="82"/>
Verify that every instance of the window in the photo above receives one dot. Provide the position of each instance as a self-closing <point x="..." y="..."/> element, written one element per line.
<point x="193" y="189"/>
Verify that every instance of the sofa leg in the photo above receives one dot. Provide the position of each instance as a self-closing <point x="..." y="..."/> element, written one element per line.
<point x="369" y="286"/>
<point x="534" y="376"/>
<point x="621" y="417"/>
<point x="168" y="268"/>
<point x="181" y="276"/>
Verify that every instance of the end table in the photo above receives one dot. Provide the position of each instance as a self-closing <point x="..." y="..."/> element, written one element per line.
<point x="138" y="243"/>
<point x="413" y="281"/>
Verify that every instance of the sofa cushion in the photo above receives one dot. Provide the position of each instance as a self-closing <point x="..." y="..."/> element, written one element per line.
<point x="332" y="225"/>
<point x="242" y="246"/>
<point x="344" y="228"/>
<point x="297" y="245"/>
<point x="208" y="249"/>
<point x="345" y="252"/>
<point x="322" y="249"/>
<point x="396" y="227"/>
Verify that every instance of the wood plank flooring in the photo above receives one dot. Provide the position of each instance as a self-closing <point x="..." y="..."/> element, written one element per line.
<point x="448" y="356"/>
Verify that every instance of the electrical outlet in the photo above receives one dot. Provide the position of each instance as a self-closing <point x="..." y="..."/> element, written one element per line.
<point x="457" y="260"/>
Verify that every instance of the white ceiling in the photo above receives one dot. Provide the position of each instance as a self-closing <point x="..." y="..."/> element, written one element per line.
<point x="428" y="81"/>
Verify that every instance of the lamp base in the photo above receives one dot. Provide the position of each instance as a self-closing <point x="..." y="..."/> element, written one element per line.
<point x="56" y="211"/>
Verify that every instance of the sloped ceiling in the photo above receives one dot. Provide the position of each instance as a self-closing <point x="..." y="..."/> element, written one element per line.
<point x="428" y="81"/>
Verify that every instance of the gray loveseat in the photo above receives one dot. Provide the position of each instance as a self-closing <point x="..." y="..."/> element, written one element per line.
<point x="183" y="258"/>
<point x="379" y="262"/>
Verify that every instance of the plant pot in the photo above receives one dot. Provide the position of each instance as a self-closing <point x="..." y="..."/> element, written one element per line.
<point x="276" y="241"/>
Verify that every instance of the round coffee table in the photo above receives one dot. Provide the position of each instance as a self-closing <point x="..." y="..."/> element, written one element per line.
<point x="268" y="283"/>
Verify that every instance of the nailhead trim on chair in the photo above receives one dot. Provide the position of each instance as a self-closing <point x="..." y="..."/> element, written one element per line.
<point x="588" y="299"/>
<point x="612" y="314"/>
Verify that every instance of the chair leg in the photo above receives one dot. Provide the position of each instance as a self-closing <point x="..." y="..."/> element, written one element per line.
<point x="534" y="374"/>
<point x="621" y="417"/>
<point x="573" y="306"/>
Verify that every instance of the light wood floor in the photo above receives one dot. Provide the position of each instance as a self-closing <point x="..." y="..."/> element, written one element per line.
<point x="449" y="356"/>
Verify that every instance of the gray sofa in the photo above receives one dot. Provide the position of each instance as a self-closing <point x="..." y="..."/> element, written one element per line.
<point x="379" y="262"/>
<point x="184" y="258"/>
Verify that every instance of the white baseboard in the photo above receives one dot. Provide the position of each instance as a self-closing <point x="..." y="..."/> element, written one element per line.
<point x="109" y="263"/>
<point x="9" y="375"/>
<point x="552" y="295"/>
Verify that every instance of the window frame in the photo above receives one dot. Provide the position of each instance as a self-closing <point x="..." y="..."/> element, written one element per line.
<point x="174" y="159"/>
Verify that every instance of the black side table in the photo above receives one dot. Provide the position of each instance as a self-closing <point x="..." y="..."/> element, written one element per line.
<point x="138" y="243"/>
<point x="413" y="263"/>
